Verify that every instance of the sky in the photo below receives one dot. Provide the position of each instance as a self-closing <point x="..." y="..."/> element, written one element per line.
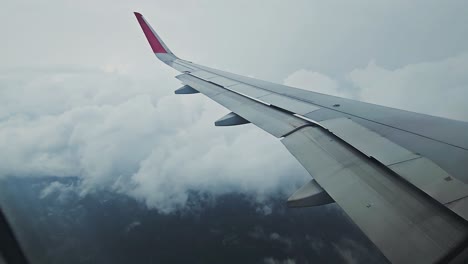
<point x="82" y="95"/>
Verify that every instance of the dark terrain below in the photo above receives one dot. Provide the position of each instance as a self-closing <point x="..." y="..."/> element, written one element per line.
<point x="106" y="227"/>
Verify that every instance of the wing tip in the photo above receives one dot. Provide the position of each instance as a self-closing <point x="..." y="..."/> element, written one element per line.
<point x="156" y="44"/>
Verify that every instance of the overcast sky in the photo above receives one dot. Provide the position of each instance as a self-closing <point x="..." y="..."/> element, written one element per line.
<point x="81" y="93"/>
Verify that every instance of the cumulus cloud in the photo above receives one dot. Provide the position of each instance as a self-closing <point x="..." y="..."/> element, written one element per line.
<point x="434" y="87"/>
<point x="129" y="136"/>
<point x="316" y="82"/>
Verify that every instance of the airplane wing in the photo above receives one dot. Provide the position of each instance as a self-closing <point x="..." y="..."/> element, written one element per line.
<point x="400" y="176"/>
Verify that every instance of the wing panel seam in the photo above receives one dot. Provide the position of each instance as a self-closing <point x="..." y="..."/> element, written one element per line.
<point x="327" y="107"/>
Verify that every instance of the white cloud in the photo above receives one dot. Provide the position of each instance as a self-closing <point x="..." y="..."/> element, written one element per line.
<point x="434" y="87"/>
<point x="314" y="81"/>
<point x="133" y="137"/>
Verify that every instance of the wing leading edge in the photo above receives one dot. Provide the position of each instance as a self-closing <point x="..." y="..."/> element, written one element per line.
<point x="399" y="175"/>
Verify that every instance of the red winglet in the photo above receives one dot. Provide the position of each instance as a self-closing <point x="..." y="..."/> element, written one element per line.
<point x="151" y="36"/>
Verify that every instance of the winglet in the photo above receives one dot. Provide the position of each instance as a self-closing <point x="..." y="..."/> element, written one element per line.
<point x="157" y="45"/>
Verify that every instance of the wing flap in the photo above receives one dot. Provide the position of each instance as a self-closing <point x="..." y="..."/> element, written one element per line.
<point x="368" y="142"/>
<point x="450" y="158"/>
<point x="419" y="171"/>
<point x="384" y="207"/>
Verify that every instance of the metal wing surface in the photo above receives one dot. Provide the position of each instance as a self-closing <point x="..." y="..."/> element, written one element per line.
<point x="400" y="176"/>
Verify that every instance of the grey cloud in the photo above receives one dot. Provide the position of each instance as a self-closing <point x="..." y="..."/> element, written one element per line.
<point x="132" y="226"/>
<point x="351" y="251"/>
<point x="347" y="255"/>
<point x="271" y="260"/>
<point x="264" y="209"/>
<point x="316" y="243"/>
<point x="63" y="192"/>
<point x="257" y="233"/>
<point x="287" y="242"/>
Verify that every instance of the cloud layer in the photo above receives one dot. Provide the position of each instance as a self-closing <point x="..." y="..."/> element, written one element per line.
<point x="129" y="136"/>
<point x="118" y="132"/>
